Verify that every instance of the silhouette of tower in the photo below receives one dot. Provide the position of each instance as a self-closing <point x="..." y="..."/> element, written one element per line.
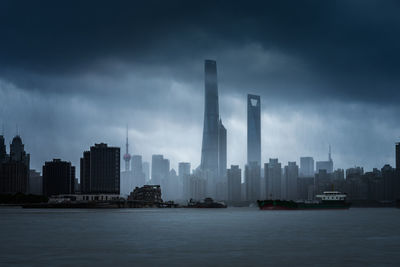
<point x="127" y="156"/>
<point x="221" y="151"/>
<point x="398" y="156"/>
<point x="253" y="129"/>
<point x="209" y="150"/>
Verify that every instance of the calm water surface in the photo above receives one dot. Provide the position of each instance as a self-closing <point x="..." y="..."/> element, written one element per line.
<point x="199" y="237"/>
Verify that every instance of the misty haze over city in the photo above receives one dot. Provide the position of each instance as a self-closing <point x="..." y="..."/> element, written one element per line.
<point x="199" y="133"/>
<point x="327" y="73"/>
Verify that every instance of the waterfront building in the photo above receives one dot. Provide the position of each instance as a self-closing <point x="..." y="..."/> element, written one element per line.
<point x="234" y="183"/>
<point x="184" y="173"/>
<point x="253" y="181"/>
<point x="35" y="183"/>
<point x="58" y="178"/>
<point x="291" y="175"/>
<point x="14" y="168"/>
<point x="197" y="187"/>
<point x="100" y="170"/>
<point x="146" y="193"/>
<point x="3" y="150"/>
<point x="273" y="179"/>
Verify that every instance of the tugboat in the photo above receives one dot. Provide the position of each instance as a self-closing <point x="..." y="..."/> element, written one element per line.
<point x="206" y="203"/>
<point x="327" y="200"/>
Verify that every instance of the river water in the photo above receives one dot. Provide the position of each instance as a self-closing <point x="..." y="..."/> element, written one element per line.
<point x="199" y="237"/>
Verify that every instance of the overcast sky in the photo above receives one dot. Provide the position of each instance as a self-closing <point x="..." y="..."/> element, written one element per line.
<point x="74" y="73"/>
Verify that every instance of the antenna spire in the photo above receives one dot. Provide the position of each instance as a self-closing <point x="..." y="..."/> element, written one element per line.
<point x="127" y="143"/>
<point x="329" y="154"/>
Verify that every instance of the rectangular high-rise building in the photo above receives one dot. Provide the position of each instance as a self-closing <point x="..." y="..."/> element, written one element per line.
<point x="324" y="165"/>
<point x="58" y="178"/>
<point x="273" y="179"/>
<point x="35" y="183"/>
<point x="85" y="172"/>
<point x="253" y="129"/>
<point x="253" y="181"/>
<point x="159" y="169"/>
<point x="100" y="170"/>
<point x="137" y="171"/>
<point x="291" y="175"/>
<point x="221" y="151"/>
<point x="184" y="174"/>
<point x="3" y="151"/>
<point x="146" y="170"/>
<point x="306" y="167"/>
<point x="398" y="156"/>
<point x="234" y="183"/>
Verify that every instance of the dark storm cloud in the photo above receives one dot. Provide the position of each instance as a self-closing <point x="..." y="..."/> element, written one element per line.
<point x="350" y="45"/>
<point x="73" y="73"/>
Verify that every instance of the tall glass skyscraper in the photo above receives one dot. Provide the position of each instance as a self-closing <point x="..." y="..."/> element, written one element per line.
<point x="221" y="150"/>
<point x="253" y="129"/>
<point x="398" y="156"/>
<point x="213" y="151"/>
<point x="209" y="150"/>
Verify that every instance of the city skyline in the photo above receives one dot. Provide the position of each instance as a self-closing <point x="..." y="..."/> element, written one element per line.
<point x="199" y="133"/>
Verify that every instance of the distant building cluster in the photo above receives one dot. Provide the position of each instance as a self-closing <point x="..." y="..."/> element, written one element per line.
<point x="101" y="176"/>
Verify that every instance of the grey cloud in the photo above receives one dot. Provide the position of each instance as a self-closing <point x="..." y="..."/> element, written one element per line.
<point x="74" y="73"/>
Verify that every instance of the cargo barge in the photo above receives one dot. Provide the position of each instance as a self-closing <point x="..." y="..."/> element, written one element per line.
<point x="327" y="200"/>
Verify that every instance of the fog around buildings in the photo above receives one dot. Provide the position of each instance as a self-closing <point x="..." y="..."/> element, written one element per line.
<point x="75" y="89"/>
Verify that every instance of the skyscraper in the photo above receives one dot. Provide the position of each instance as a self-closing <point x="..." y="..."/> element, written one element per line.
<point x="306" y="167"/>
<point x="213" y="151"/>
<point x="209" y="150"/>
<point x="146" y="170"/>
<point x="35" y="183"/>
<point x="100" y="170"/>
<point x="253" y="181"/>
<point x="85" y="172"/>
<point x="14" y="168"/>
<point x="273" y="178"/>
<point x="184" y="174"/>
<point x="398" y="156"/>
<point x="159" y="169"/>
<point x="221" y="151"/>
<point x="253" y="129"/>
<point x="234" y="183"/>
<point x="137" y="172"/>
<point x="58" y="178"/>
<point x="3" y="151"/>
<point x="289" y="191"/>
<point x="325" y="165"/>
